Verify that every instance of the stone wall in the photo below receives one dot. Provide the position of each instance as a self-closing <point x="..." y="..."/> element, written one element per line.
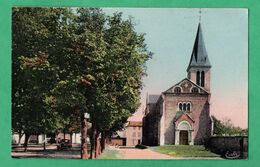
<point x="222" y="144"/>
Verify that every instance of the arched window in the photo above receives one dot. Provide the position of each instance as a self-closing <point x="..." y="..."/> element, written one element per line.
<point x="188" y="107"/>
<point x="180" y="106"/>
<point x="177" y="90"/>
<point x="184" y="107"/>
<point x="198" y="78"/>
<point x="194" y="90"/>
<point x="202" y="79"/>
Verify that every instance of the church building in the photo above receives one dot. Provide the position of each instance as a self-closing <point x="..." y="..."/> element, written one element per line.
<point x="181" y="114"/>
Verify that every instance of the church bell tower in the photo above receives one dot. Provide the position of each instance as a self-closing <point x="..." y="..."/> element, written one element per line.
<point x="199" y="66"/>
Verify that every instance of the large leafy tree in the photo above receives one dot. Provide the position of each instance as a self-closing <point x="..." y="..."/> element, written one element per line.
<point x="32" y="74"/>
<point x="40" y="43"/>
<point x="67" y="63"/>
<point x="115" y="57"/>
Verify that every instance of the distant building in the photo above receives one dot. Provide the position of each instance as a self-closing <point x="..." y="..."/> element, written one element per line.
<point x="181" y="114"/>
<point x="133" y="133"/>
<point x="130" y="136"/>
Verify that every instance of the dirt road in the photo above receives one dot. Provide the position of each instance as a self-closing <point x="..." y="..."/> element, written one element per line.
<point x="133" y="153"/>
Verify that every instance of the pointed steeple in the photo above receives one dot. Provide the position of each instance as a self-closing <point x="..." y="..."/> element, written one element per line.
<point x="199" y="56"/>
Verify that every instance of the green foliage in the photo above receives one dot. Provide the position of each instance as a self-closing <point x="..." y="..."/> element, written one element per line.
<point x="115" y="57"/>
<point x="37" y="46"/>
<point x="66" y="63"/>
<point x="226" y="128"/>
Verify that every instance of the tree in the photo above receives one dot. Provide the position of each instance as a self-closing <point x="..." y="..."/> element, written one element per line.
<point x="36" y="40"/>
<point x="66" y="64"/>
<point x="115" y="92"/>
<point x="226" y="128"/>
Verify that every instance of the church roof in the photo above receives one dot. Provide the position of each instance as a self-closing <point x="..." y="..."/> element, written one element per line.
<point x="153" y="98"/>
<point x="186" y="79"/>
<point x="199" y="56"/>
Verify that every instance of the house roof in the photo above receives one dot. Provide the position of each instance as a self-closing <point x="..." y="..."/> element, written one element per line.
<point x="135" y="123"/>
<point x="199" y="56"/>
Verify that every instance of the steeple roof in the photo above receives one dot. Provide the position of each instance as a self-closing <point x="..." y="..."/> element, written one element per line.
<point x="199" y="56"/>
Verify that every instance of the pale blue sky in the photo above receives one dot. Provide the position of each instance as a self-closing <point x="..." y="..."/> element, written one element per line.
<point x="170" y="35"/>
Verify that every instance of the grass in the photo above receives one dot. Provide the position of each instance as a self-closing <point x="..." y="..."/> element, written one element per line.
<point x="110" y="154"/>
<point x="184" y="151"/>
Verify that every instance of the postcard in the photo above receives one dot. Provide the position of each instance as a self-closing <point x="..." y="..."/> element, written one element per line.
<point x="129" y="83"/>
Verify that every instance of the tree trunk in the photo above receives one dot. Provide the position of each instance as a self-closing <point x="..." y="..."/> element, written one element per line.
<point x="84" y="142"/>
<point x="93" y="141"/>
<point x="27" y="136"/>
<point x="37" y="138"/>
<point x="97" y="142"/>
<point x="71" y="137"/>
<point x="98" y="147"/>
<point x="20" y="138"/>
<point x="106" y="141"/>
<point x="103" y="141"/>
<point x="44" y="142"/>
<point x="64" y="135"/>
<point x="75" y="138"/>
<point x="57" y="138"/>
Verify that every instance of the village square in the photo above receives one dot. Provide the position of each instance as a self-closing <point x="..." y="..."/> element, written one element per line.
<point x="77" y="82"/>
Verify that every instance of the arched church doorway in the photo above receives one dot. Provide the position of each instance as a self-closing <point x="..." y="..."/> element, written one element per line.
<point x="184" y="138"/>
<point x="183" y="133"/>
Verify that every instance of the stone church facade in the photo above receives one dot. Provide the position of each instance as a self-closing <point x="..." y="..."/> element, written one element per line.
<point x="181" y="114"/>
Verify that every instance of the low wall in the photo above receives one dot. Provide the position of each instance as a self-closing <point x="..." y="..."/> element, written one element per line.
<point x="224" y="144"/>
